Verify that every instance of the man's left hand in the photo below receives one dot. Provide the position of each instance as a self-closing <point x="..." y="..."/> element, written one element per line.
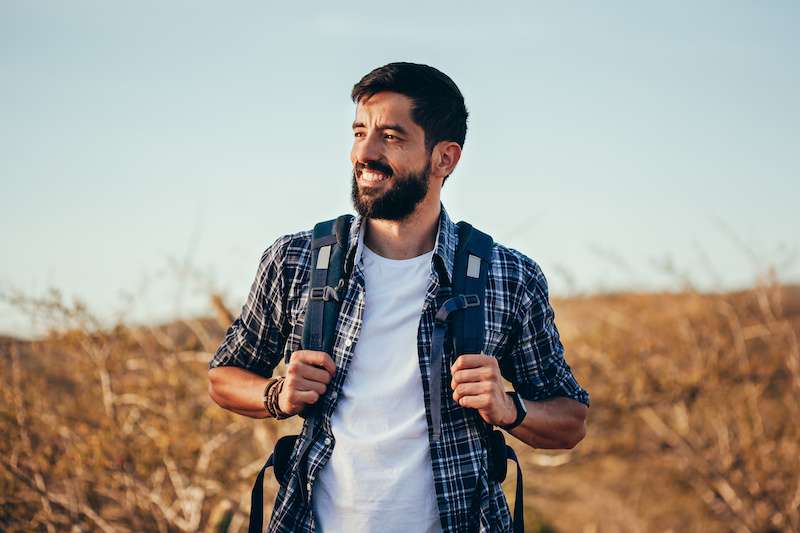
<point x="478" y="384"/>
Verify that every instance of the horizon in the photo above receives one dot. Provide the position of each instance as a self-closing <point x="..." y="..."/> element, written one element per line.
<point x="151" y="151"/>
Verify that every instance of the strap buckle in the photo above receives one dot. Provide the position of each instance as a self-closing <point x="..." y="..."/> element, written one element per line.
<point x="325" y="294"/>
<point x="470" y="300"/>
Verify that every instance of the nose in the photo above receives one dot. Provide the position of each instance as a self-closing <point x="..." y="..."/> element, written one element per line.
<point x="367" y="148"/>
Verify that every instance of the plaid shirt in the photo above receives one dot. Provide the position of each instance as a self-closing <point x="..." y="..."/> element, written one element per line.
<point x="520" y="333"/>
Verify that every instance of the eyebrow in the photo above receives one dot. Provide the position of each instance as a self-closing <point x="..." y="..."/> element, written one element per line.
<point x="395" y="127"/>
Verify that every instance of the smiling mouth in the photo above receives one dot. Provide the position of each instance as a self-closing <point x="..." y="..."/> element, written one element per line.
<point x="372" y="176"/>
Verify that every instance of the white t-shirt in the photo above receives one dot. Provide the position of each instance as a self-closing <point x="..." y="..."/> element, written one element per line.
<point x="379" y="476"/>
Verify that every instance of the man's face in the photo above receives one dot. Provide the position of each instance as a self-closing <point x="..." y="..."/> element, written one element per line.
<point x="390" y="163"/>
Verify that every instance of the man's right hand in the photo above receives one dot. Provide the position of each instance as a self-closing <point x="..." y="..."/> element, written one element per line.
<point x="307" y="378"/>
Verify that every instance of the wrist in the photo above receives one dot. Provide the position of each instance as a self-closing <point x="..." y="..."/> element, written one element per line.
<point x="509" y="412"/>
<point x="517" y="408"/>
<point x="271" y="398"/>
<point x="271" y="383"/>
<point x="280" y="414"/>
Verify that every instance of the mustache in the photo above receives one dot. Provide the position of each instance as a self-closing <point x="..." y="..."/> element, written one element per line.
<point x="376" y="166"/>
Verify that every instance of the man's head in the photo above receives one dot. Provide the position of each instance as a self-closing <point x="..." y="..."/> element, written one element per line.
<point x="410" y="126"/>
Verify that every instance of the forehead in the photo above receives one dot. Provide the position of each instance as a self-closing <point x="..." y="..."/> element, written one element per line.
<point x="385" y="107"/>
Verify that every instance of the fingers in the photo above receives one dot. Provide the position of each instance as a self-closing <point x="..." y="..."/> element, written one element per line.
<point x="313" y="358"/>
<point x="472" y="374"/>
<point x="473" y="360"/>
<point x="473" y="389"/>
<point x="469" y="368"/>
<point x="298" y="398"/>
<point x="480" y="402"/>
<point x="301" y="384"/>
<point x="305" y="371"/>
<point x="307" y="377"/>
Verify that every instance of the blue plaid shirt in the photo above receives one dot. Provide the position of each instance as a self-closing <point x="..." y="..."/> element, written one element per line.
<point x="520" y="333"/>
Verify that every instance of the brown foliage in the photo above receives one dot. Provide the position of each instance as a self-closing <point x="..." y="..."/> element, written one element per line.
<point x="690" y="428"/>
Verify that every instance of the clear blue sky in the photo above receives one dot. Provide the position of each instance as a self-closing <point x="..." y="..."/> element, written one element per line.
<point x="138" y="139"/>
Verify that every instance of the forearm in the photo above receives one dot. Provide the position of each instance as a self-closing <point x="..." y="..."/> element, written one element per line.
<point x="238" y="390"/>
<point x="557" y="423"/>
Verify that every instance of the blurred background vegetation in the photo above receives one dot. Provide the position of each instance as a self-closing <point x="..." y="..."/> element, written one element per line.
<point x="693" y="425"/>
<point x="604" y="141"/>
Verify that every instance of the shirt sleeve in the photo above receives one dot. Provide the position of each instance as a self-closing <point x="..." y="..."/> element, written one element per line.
<point x="256" y="338"/>
<point x="536" y="365"/>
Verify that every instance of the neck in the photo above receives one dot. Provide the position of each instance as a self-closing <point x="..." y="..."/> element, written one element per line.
<point x="407" y="238"/>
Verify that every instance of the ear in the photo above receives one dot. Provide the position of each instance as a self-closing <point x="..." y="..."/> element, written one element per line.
<point x="444" y="158"/>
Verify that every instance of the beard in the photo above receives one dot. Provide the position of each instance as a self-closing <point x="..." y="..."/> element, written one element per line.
<point x="399" y="200"/>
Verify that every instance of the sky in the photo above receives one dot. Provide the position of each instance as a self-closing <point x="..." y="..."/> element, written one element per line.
<point x="150" y="151"/>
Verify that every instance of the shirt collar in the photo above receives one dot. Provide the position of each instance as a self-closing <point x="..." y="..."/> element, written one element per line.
<point x="444" y="249"/>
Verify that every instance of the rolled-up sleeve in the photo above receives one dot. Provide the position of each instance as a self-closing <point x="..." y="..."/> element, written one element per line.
<point x="256" y="338"/>
<point x="536" y="364"/>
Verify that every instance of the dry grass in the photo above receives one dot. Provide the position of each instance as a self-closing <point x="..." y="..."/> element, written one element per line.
<point x="692" y="428"/>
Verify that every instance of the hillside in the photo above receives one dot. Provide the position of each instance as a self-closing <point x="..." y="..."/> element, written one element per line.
<point x="692" y="425"/>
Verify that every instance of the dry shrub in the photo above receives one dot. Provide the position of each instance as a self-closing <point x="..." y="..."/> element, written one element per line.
<point x="114" y="431"/>
<point x="692" y="424"/>
<point x="691" y="427"/>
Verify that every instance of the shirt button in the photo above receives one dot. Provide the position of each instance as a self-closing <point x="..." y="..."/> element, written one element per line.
<point x="308" y="486"/>
<point x="327" y="441"/>
<point x="348" y="343"/>
<point x="334" y="394"/>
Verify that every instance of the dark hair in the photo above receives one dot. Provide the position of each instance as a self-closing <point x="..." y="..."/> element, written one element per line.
<point x="438" y="106"/>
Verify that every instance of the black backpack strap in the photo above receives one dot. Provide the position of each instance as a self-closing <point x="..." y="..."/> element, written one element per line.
<point x="329" y="247"/>
<point x="279" y="459"/>
<point x="257" y="500"/>
<point x="473" y="259"/>
<point x="519" y="511"/>
<point x="471" y="270"/>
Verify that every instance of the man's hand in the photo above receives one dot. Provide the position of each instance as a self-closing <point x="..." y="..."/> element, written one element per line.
<point x="555" y="423"/>
<point x="478" y="384"/>
<point x="307" y="378"/>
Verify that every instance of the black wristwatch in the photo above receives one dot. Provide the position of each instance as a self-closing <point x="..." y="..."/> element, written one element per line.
<point x="521" y="410"/>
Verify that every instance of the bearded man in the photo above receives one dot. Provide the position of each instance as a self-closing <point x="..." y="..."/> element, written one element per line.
<point x="373" y="464"/>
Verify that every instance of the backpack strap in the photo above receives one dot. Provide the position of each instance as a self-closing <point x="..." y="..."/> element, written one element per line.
<point x="470" y="275"/>
<point x="470" y="272"/>
<point x="329" y="247"/>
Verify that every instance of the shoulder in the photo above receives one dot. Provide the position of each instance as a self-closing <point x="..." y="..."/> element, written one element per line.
<point x="516" y="283"/>
<point x="290" y="251"/>
<point x="511" y="265"/>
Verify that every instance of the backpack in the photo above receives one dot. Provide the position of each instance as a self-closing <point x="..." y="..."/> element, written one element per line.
<point x="463" y="312"/>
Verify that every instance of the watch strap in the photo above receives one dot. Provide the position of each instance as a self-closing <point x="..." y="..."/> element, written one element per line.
<point x="521" y="411"/>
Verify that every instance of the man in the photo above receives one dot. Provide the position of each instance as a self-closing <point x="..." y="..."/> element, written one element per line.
<point x="373" y="464"/>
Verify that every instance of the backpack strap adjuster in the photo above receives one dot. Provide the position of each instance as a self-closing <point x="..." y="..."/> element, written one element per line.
<point x="470" y="300"/>
<point x="326" y="294"/>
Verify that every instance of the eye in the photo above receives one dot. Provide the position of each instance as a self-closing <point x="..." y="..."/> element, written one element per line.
<point x="358" y="133"/>
<point x="389" y="137"/>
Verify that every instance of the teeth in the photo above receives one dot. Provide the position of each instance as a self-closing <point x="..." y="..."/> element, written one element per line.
<point x="368" y="175"/>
